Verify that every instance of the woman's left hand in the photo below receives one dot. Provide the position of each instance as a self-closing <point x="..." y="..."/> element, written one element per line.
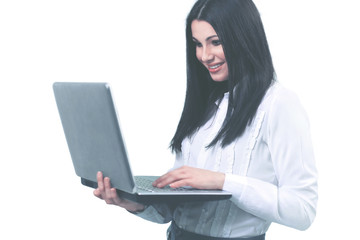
<point x="193" y="177"/>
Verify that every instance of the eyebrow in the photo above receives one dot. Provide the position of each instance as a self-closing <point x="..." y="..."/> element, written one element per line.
<point x="208" y="38"/>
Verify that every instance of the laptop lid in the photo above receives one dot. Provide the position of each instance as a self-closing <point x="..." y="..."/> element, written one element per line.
<point x="93" y="133"/>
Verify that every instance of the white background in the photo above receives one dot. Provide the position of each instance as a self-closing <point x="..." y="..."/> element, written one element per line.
<point x="139" y="48"/>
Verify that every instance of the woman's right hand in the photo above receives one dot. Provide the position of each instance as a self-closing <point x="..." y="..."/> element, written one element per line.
<point x="110" y="196"/>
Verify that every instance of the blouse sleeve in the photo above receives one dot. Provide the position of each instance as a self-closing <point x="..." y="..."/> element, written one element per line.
<point x="158" y="213"/>
<point x="292" y="201"/>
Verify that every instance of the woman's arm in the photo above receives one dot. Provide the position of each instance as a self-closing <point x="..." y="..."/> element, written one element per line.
<point x="292" y="201"/>
<point x="193" y="177"/>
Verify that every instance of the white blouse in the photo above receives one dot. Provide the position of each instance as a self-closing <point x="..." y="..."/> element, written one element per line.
<point x="270" y="171"/>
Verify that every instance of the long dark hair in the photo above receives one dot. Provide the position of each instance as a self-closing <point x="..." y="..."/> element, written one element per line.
<point x="251" y="72"/>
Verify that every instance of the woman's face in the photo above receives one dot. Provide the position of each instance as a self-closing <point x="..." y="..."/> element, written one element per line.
<point x="209" y="50"/>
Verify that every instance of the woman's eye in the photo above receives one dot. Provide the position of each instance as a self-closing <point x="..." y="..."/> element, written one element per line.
<point x="216" y="42"/>
<point x="197" y="44"/>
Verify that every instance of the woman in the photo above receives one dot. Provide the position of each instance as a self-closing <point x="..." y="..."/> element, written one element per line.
<point x="240" y="131"/>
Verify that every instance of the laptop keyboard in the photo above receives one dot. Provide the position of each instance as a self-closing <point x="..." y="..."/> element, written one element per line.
<point x="146" y="184"/>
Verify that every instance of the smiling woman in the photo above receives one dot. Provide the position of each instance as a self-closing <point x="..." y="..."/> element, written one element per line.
<point x="240" y="131"/>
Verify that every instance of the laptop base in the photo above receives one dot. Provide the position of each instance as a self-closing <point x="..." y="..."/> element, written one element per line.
<point x="149" y="199"/>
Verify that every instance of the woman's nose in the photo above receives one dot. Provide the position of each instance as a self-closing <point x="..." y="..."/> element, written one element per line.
<point x="207" y="55"/>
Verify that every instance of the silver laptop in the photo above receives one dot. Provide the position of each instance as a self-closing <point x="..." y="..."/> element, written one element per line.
<point x="94" y="139"/>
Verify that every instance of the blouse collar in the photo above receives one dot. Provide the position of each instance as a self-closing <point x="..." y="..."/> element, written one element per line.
<point x="225" y="97"/>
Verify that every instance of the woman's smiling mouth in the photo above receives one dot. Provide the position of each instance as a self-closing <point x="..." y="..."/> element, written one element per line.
<point x="215" y="68"/>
